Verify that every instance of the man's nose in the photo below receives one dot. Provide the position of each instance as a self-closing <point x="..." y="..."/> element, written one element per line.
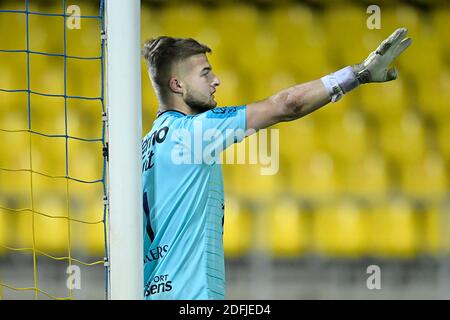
<point x="216" y="81"/>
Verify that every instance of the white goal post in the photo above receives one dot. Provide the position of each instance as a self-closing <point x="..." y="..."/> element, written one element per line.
<point x="123" y="74"/>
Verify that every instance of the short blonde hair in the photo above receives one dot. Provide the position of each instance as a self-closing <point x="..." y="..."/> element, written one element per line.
<point x="161" y="52"/>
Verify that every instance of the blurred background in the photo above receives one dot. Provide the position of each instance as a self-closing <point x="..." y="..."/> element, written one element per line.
<point x="361" y="182"/>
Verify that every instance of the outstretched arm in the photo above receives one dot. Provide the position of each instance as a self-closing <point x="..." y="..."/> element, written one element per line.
<point x="300" y="100"/>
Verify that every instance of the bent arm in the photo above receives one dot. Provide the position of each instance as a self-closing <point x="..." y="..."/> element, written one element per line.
<point x="287" y="105"/>
<point x="299" y="100"/>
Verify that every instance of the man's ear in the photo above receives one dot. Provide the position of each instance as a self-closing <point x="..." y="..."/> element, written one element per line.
<point x="175" y="85"/>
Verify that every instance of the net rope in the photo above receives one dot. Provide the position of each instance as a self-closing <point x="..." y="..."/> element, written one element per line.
<point x="34" y="250"/>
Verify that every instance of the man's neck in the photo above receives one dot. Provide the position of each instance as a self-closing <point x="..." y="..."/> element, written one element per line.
<point x="162" y="108"/>
<point x="175" y="104"/>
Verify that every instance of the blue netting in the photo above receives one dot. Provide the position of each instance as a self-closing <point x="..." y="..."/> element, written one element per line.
<point x="30" y="92"/>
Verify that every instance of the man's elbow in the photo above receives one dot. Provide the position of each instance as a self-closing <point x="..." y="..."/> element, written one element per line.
<point x="290" y="105"/>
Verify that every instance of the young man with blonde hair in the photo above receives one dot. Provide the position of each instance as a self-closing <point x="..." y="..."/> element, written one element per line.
<point x="183" y="188"/>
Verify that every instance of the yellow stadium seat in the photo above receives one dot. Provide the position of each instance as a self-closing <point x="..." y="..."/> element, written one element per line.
<point x="23" y="236"/>
<point x="85" y="160"/>
<point x="306" y="54"/>
<point x="290" y="22"/>
<point x="46" y="74"/>
<point x="346" y="137"/>
<point x="14" y="68"/>
<point x="228" y="177"/>
<point x="251" y="184"/>
<point x="13" y="40"/>
<point x="312" y="61"/>
<point x="14" y="183"/>
<point x="43" y="184"/>
<point x="366" y="176"/>
<point x="383" y="101"/>
<point x="47" y="115"/>
<point x="85" y="118"/>
<point x="93" y="240"/>
<point x="46" y="33"/>
<point x="425" y="179"/>
<point x="350" y="21"/>
<point x="339" y="230"/>
<point x="83" y="78"/>
<point x="433" y="97"/>
<point x="443" y="132"/>
<point x="6" y="230"/>
<point x="75" y="77"/>
<point x="287" y="229"/>
<point x="85" y="41"/>
<point x="183" y="20"/>
<point x="87" y="210"/>
<point x="15" y="149"/>
<point x="260" y="62"/>
<point x="401" y="15"/>
<point x="7" y="82"/>
<point x="255" y="169"/>
<point x="298" y="41"/>
<point x="328" y="115"/>
<point x="438" y="225"/>
<point x="14" y="111"/>
<point x="315" y="177"/>
<point x="434" y="234"/>
<point x="232" y="90"/>
<point x="83" y="194"/>
<point x="246" y="19"/>
<point x="305" y="143"/>
<point x="420" y="67"/>
<point x="277" y="80"/>
<point x="440" y="19"/>
<point x="238" y="229"/>
<point x="48" y="155"/>
<point x="150" y="106"/>
<point x="49" y="234"/>
<point x="403" y="141"/>
<point x="393" y="230"/>
<point x="151" y="23"/>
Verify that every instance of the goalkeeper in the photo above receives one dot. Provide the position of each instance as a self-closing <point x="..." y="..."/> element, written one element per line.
<point x="184" y="200"/>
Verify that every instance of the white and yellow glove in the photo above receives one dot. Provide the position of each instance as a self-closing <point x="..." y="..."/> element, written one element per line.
<point x="374" y="69"/>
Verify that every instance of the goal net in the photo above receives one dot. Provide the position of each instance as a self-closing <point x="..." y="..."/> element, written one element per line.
<point x="53" y="150"/>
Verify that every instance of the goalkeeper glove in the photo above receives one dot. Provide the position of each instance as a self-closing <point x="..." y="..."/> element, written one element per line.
<point x="374" y="69"/>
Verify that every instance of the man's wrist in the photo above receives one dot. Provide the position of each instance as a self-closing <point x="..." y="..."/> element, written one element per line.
<point x="340" y="82"/>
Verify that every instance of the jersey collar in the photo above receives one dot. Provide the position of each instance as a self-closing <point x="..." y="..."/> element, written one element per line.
<point x="170" y="110"/>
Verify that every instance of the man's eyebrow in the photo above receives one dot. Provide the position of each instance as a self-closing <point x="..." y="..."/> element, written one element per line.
<point x="207" y="68"/>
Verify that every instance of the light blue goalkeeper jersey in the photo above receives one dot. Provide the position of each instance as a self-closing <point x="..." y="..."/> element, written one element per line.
<point x="184" y="202"/>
